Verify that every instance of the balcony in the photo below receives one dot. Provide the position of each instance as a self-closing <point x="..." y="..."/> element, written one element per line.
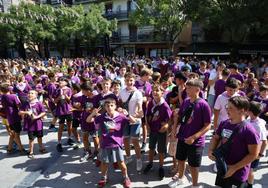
<point x="140" y="38"/>
<point x="120" y="15"/>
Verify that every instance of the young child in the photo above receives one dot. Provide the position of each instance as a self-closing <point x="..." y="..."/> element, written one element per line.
<point x="111" y="125"/>
<point x="157" y="117"/>
<point x="76" y="109"/>
<point x="32" y="112"/>
<point x="63" y="111"/>
<point x="88" y="103"/>
<point x="10" y="104"/>
<point x="259" y="125"/>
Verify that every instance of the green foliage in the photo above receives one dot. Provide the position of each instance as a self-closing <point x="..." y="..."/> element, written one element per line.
<point x="33" y="25"/>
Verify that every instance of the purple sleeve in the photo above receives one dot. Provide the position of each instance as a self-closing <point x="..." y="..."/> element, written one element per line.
<point x="17" y="100"/>
<point x="206" y="113"/>
<point x="98" y="119"/>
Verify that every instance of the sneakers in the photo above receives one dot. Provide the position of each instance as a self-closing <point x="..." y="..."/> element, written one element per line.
<point x="70" y="141"/>
<point x="139" y="165"/>
<point x="128" y="160"/>
<point x="127" y="182"/>
<point x="86" y="156"/>
<point x="143" y="147"/>
<point x="103" y="181"/>
<point x="59" y="148"/>
<point x="161" y="173"/>
<point x="147" y="168"/>
<point x="180" y="181"/>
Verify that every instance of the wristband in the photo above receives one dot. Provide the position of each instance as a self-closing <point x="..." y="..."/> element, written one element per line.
<point x="261" y="155"/>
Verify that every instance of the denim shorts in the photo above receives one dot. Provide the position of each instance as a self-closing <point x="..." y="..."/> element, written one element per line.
<point x="132" y="130"/>
<point x="111" y="155"/>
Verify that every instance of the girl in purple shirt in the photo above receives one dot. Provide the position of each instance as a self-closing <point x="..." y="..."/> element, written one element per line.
<point x="32" y="112"/>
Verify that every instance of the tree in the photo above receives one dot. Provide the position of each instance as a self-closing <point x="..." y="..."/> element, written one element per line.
<point x="166" y="16"/>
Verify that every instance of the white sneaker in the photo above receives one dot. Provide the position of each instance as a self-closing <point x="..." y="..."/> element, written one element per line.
<point x="128" y="160"/>
<point x="175" y="183"/>
<point x="139" y="165"/>
<point x="215" y="168"/>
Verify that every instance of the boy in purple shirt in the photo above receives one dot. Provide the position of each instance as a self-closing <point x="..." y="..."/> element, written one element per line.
<point x="63" y="111"/>
<point x="76" y="109"/>
<point x="88" y="103"/>
<point x="195" y="120"/>
<point x="32" y="112"/>
<point x="10" y="104"/>
<point x="157" y="116"/>
<point x="111" y="125"/>
<point x="244" y="145"/>
<point x="145" y="87"/>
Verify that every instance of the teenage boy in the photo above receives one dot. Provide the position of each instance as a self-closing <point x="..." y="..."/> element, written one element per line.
<point x="157" y="116"/>
<point x="132" y="100"/>
<point x="254" y="111"/>
<point x="195" y="119"/>
<point x="244" y="147"/>
<point x="63" y="110"/>
<point x="111" y="127"/>
<point x="145" y="87"/>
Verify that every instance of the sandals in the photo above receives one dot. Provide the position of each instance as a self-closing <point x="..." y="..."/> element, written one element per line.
<point x="31" y="156"/>
<point x="43" y="151"/>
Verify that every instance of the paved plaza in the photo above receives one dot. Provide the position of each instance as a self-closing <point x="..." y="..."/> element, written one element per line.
<point x="66" y="171"/>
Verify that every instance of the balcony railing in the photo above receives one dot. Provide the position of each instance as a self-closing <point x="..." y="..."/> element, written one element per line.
<point x="137" y="38"/>
<point x="123" y="14"/>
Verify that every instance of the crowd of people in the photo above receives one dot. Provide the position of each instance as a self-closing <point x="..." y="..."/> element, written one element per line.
<point x="120" y="103"/>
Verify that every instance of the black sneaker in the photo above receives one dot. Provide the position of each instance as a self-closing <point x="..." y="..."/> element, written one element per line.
<point x="53" y="128"/>
<point x="24" y="152"/>
<point x="143" y="147"/>
<point x="59" y="148"/>
<point x="147" y="168"/>
<point x="70" y="141"/>
<point x="161" y="173"/>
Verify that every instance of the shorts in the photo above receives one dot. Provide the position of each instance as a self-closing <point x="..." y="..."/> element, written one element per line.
<point x="67" y="117"/>
<point x="160" y="139"/>
<point x="190" y="152"/>
<point x="255" y="164"/>
<point x="92" y="133"/>
<point x="16" y="127"/>
<point x="76" y="123"/>
<point x="35" y="134"/>
<point x="132" y="131"/>
<point x="111" y="155"/>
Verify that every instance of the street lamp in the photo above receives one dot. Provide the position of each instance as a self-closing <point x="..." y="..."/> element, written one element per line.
<point x="194" y="40"/>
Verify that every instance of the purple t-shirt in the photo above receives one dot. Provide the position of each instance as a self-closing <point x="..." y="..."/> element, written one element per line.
<point x="114" y="138"/>
<point x="63" y="107"/>
<point x="201" y="115"/>
<point x="77" y="98"/>
<point x="264" y="105"/>
<point x="238" y="76"/>
<point x="219" y="87"/>
<point x="29" y="124"/>
<point x="144" y="87"/>
<point x="157" y="114"/>
<point x="247" y="135"/>
<point x="204" y="76"/>
<point x="10" y="103"/>
<point x="51" y="91"/>
<point x="22" y="89"/>
<point x="87" y="105"/>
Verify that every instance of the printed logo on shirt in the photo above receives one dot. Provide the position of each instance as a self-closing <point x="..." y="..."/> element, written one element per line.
<point x="226" y="134"/>
<point x="109" y="125"/>
<point x="155" y="116"/>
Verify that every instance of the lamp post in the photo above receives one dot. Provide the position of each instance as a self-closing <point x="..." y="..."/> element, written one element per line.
<point x="194" y="40"/>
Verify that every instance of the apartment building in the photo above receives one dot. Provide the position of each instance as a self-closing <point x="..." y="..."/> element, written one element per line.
<point x="129" y="39"/>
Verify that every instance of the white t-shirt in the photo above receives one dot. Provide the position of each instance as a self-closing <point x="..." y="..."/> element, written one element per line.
<point x="220" y="105"/>
<point x="259" y="125"/>
<point x="212" y="76"/>
<point x="134" y="101"/>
